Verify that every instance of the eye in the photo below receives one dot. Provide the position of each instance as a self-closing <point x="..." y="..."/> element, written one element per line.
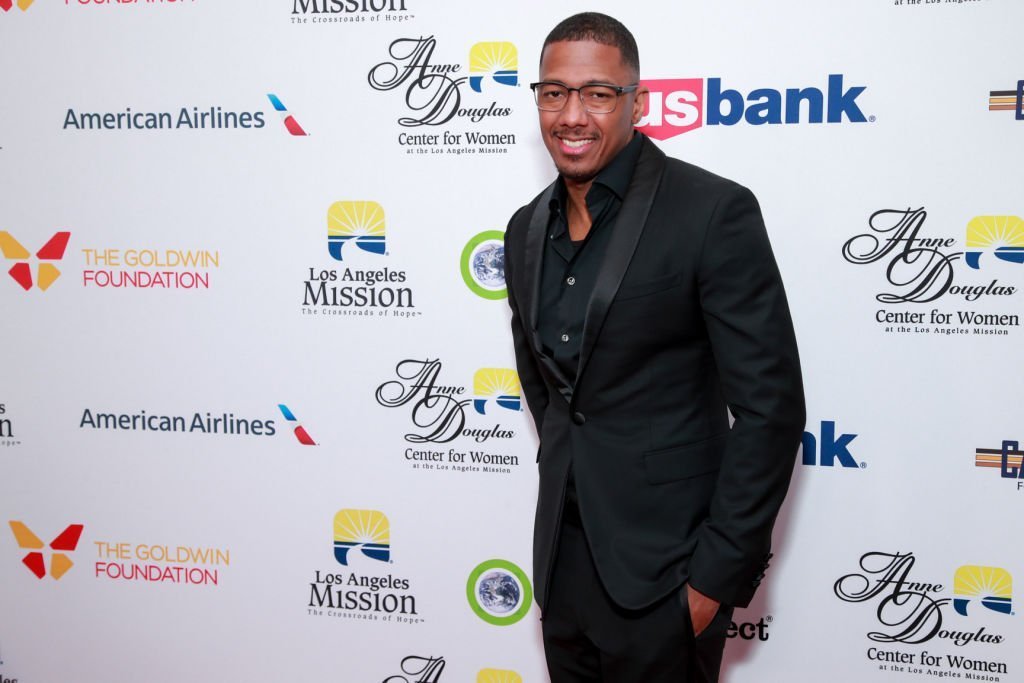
<point x="599" y="94"/>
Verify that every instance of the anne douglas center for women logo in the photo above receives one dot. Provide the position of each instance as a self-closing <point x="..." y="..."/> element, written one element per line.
<point x="499" y="592"/>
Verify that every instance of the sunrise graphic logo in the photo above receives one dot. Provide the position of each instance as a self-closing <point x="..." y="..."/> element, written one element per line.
<point x="991" y="586"/>
<point x="500" y="385"/>
<point x="358" y="222"/>
<point x="498" y="676"/>
<point x="498" y="60"/>
<point x="60" y="563"/>
<point x="47" y="273"/>
<point x="1004" y="235"/>
<point x="289" y="121"/>
<point x="367" y="531"/>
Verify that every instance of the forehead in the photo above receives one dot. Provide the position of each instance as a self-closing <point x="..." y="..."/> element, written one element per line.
<point x="576" y="62"/>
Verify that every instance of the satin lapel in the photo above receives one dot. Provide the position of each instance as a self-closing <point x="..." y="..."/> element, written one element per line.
<point x="625" y="235"/>
<point x="536" y="239"/>
<point x="534" y="257"/>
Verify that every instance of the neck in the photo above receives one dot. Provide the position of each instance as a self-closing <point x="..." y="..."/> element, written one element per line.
<point x="579" y="216"/>
<point x="576" y="192"/>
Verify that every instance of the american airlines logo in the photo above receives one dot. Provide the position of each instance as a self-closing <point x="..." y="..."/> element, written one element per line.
<point x="679" y="105"/>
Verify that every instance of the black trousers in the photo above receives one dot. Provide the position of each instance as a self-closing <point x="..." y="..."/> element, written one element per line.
<point x="590" y="639"/>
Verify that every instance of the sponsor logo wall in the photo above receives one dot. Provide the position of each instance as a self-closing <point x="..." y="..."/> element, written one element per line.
<point x="260" y="417"/>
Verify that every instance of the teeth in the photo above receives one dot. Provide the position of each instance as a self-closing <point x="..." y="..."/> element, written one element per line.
<point x="575" y="144"/>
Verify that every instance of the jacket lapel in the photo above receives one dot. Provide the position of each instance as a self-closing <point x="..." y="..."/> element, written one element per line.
<point x="625" y="235"/>
<point x="536" y="239"/>
<point x="534" y="259"/>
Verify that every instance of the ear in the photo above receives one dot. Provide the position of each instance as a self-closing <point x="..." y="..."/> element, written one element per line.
<point x="639" y="103"/>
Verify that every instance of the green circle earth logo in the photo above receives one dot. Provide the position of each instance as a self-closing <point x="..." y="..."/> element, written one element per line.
<point x="483" y="264"/>
<point x="499" y="592"/>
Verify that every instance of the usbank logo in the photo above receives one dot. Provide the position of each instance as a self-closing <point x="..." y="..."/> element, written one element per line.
<point x="1004" y="235"/>
<point x="676" y="106"/>
<point x="289" y="121"/>
<point x="356" y="222"/>
<point x="499" y="592"/>
<point x="497" y="60"/>
<point x="483" y="265"/>
<point x="498" y="676"/>
<point x="300" y="432"/>
<point x="1008" y="459"/>
<point x="500" y="385"/>
<point x="1008" y="100"/>
<point x="825" y="449"/>
<point x="23" y="5"/>
<point x="47" y="273"/>
<point x="991" y="586"/>
<point x="367" y="531"/>
<point x="60" y="563"/>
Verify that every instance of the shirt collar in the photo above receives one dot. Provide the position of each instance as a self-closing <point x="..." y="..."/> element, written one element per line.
<point x="616" y="175"/>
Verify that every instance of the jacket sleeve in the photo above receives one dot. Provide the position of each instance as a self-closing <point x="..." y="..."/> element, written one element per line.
<point x="751" y="334"/>
<point x="530" y="378"/>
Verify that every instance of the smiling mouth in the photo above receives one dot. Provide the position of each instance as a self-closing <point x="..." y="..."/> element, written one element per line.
<point x="575" y="147"/>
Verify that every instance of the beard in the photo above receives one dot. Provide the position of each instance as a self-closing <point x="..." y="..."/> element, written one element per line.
<point x="576" y="172"/>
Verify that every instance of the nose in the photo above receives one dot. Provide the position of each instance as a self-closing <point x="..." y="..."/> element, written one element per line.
<point x="573" y="114"/>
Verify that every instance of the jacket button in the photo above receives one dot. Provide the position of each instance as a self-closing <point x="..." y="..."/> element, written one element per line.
<point x="578" y="418"/>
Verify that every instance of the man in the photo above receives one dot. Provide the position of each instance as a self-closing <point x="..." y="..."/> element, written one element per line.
<point x="645" y="301"/>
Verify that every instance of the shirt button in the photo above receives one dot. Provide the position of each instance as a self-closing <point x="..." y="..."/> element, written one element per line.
<point x="578" y="418"/>
<point x="570" y="281"/>
<point x="565" y="338"/>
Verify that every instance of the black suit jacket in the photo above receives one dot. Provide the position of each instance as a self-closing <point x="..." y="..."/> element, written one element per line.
<point x="688" y="317"/>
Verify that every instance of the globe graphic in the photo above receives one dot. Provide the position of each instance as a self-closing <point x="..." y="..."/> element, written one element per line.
<point x="488" y="265"/>
<point x="499" y="593"/>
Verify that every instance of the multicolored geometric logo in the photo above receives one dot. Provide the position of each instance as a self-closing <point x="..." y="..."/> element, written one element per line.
<point x="483" y="265"/>
<point x="300" y="432"/>
<point x="367" y="531"/>
<point x="23" y="5"/>
<point x="1003" y="234"/>
<point x="47" y="273"/>
<point x="361" y="223"/>
<point x="66" y="542"/>
<point x="498" y="384"/>
<point x="992" y="586"/>
<point x="498" y="676"/>
<point x="499" y="592"/>
<point x="289" y="121"/>
<point x="1008" y="100"/>
<point x="1009" y="459"/>
<point x="499" y="60"/>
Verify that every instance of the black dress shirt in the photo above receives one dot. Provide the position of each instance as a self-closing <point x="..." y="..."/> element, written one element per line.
<point x="570" y="268"/>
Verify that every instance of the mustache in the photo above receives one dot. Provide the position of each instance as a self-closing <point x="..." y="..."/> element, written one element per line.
<point x="577" y="131"/>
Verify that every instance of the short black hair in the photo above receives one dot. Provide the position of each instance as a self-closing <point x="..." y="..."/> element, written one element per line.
<point x="599" y="28"/>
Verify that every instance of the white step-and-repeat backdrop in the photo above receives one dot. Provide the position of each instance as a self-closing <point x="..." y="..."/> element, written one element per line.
<point x="259" y="418"/>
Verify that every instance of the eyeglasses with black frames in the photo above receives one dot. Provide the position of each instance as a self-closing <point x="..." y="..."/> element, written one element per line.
<point x="596" y="98"/>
